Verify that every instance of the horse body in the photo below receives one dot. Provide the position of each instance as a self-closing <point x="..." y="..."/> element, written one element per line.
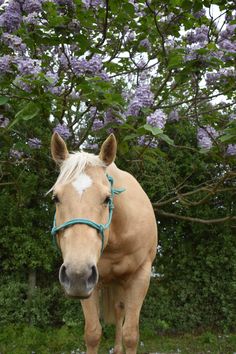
<point x="132" y="239"/>
<point x="121" y="273"/>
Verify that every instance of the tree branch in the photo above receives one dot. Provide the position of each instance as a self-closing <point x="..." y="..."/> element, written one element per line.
<point x="192" y="219"/>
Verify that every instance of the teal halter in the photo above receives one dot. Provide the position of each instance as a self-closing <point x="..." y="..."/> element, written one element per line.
<point x="99" y="227"/>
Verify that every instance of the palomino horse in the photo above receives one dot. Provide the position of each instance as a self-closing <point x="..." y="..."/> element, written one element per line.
<point x="103" y="254"/>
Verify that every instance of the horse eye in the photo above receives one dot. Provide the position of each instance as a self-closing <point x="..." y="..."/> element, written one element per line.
<point x="107" y="200"/>
<point x="55" y="198"/>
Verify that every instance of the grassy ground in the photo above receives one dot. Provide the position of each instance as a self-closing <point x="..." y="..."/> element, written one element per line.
<point x="31" y="340"/>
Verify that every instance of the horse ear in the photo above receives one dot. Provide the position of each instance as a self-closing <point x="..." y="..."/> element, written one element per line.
<point x="58" y="148"/>
<point x="108" y="150"/>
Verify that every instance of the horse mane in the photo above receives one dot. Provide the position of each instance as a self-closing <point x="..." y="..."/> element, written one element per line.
<point x="76" y="164"/>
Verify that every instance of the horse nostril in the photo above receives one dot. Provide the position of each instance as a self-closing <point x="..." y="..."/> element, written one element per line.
<point x="92" y="279"/>
<point x="63" y="277"/>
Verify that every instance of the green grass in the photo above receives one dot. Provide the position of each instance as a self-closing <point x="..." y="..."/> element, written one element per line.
<point x="27" y="340"/>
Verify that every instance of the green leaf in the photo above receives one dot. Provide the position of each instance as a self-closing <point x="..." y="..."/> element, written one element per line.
<point x="3" y="100"/>
<point x="153" y="130"/>
<point x="166" y="138"/>
<point x="30" y="111"/>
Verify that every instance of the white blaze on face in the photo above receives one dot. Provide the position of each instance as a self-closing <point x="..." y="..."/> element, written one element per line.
<point x="82" y="182"/>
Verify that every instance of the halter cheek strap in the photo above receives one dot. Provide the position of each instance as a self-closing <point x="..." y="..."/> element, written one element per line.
<point x="99" y="227"/>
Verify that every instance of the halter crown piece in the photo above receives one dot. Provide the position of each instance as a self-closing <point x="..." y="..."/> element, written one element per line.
<point x="99" y="227"/>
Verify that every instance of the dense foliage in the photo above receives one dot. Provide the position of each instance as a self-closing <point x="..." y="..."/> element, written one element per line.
<point x="162" y="77"/>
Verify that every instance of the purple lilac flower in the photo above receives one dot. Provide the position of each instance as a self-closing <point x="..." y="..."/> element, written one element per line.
<point x="157" y="119"/>
<point x="146" y="140"/>
<point x="205" y="136"/>
<point x="63" y="60"/>
<point x="31" y="19"/>
<point x="23" y="84"/>
<point x="111" y="117"/>
<point x="143" y="97"/>
<point x="97" y="124"/>
<point x="82" y="66"/>
<point x="92" y="3"/>
<point x="34" y="143"/>
<point x="12" y="16"/>
<point x="199" y="35"/>
<point x="199" y="13"/>
<point x="28" y="66"/>
<point x="74" y="95"/>
<point x="231" y="150"/>
<point x="219" y="76"/>
<point x="5" y="63"/>
<point x="104" y="76"/>
<point x="3" y="121"/>
<point x="13" y="42"/>
<point x="130" y="36"/>
<point x="146" y="44"/>
<point x="16" y="154"/>
<point x="229" y="46"/>
<point x="31" y="6"/>
<point x="56" y="90"/>
<point x="173" y="116"/>
<point x="63" y="131"/>
<point x="52" y="77"/>
<point x="93" y="111"/>
<point x="228" y="32"/>
<point x="134" y="107"/>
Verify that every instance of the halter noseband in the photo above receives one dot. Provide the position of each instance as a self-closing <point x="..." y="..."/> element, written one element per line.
<point x="99" y="227"/>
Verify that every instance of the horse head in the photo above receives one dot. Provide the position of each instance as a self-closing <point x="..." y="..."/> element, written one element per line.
<point x="82" y="194"/>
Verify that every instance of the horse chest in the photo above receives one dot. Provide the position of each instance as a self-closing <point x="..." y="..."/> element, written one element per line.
<point x="110" y="269"/>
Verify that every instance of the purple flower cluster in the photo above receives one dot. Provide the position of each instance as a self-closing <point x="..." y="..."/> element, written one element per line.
<point x="63" y="131"/>
<point x="83" y="66"/>
<point x="34" y="143"/>
<point x="226" y="40"/>
<point x="200" y="35"/>
<point x="12" y="17"/>
<point x="31" y="19"/>
<point x="111" y="117"/>
<point x="199" y="13"/>
<point x="13" y="42"/>
<point x="205" y="136"/>
<point x="28" y="66"/>
<point x="231" y="150"/>
<point x="157" y="119"/>
<point x="143" y="97"/>
<point x="5" y="64"/>
<point x="92" y="3"/>
<point x="228" y="45"/>
<point x="16" y="154"/>
<point x="3" y="121"/>
<point x="221" y="75"/>
<point x="146" y="140"/>
<point x="31" y="6"/>
<point x="146" y="44"/>
<point x="97" y="124"/>
<point x="173" y="116"/>
<point x="204" y="141"/>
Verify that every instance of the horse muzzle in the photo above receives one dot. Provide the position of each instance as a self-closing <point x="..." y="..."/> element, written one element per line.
<point x="78" y="284"/>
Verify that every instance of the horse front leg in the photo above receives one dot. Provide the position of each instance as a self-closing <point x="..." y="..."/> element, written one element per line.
<point x="119" y="316"/>
<point x="92" y="329"/>
<point x="136" y="291"/>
